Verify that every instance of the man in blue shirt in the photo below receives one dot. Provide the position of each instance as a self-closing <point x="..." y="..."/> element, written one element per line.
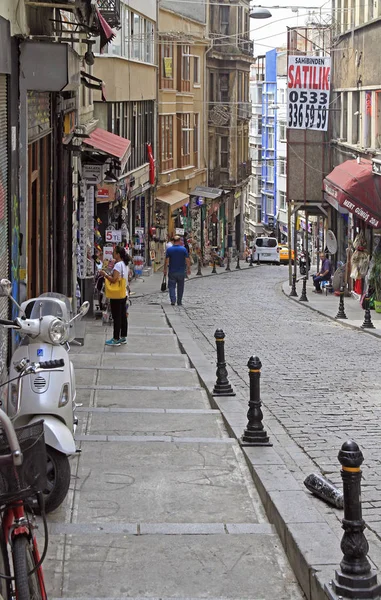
<point x="324" y="273"/>
<point x="177" y="262"/>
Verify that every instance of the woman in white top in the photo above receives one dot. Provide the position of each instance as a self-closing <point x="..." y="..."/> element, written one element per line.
<point x="118" y="306"/>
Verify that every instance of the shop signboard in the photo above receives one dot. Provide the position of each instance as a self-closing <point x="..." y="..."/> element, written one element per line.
<point x="308" y="87"/>
<point x="113" y="236"/>
<point x="108" y="252"/>
<point x="350" y="204"/>
<point x="179" y="231"/>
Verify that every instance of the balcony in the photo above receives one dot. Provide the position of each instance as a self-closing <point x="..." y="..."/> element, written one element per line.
<point x="244" y="171"/>
<point x="246" y="46"/>
<point x="110" y="11"/>
<point x="244" y="111"/>
<point x="218" y="178"/>
<point x="219" y="114"/>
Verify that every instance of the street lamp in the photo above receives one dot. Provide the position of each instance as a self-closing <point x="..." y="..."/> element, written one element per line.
<point x="263" y="12"/>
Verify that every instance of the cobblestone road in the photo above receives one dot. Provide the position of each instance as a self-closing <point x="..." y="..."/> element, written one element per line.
<point x="320" y="381"/>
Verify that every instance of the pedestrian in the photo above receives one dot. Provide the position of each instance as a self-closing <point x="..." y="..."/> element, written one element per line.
<point x="177" y="264"/>
<point x="168" y="243"/>
<point x="118" y="305"/>
<point x="324" y="273"/>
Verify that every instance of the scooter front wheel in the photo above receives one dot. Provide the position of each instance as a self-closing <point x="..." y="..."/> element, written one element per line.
<point x="58" y="480"/>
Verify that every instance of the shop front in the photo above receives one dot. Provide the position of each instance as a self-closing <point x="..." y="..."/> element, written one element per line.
<point x="353" y="191"/>
<point x="170" y="212"/>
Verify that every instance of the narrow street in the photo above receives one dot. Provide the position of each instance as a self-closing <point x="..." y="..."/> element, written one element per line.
<point x="316" y="373"/>
<point x="162" y="503"/>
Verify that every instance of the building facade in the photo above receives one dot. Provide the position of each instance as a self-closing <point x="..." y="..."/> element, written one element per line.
<point x="229" y="113"/>
<point x="127" y="108"/>
<point x="253" y="221"/>
<point x="182" y="144"/>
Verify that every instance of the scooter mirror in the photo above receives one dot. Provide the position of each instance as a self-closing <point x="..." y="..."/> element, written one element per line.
<point x="5" y="287"/>
<point x="84" y="308"/>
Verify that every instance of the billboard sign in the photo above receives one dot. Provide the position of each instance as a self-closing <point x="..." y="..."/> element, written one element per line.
<point x="308" y="87"/>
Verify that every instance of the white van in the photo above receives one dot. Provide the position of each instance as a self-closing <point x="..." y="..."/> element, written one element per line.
<point x="266" y="249"/>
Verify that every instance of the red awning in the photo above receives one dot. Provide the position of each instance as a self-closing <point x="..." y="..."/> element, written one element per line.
<point x="353" y="186"/>
<point x="111" y="144"/>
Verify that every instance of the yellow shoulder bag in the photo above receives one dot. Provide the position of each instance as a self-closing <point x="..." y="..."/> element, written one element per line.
<point x="117" y="290"/>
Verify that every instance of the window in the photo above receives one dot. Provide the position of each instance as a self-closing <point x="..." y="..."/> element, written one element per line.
<point x="259" y="214"/>
<point x="282" y="201"/>
<point x="184" y="69"/>
<point x="271" y="139"/>
<point x="368" y="120"/>
<point x="344" y="116"/>
<point x="224" y="18"/>
<point x="224" y="148"/>
<point x="378" y="119"/>
<point x="282" y="130"/>
<point x="240" y="86"/>
<point x="240" y="20"/>
<point x="184" y="120"/>
<point x="166" y="65"/>
<point x="282" y="165"/>
<point x="265" y="242"/>
<point x="282" y="94"/>
<point x="270" y="170"/>
<point x="149" y="42"/>
<point x="259" y="125"/>
<point x="224" y="87"/>
<point x="136" y="36"/>
<point x="269" y="205"/>
<point x="211" y="87"/>
<point x="166" y="142"/>
<point x="196" y="70"/>
<point x="195" y="138"/>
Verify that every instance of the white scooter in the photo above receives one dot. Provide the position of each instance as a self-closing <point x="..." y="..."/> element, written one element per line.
<point x="46" y="327"/>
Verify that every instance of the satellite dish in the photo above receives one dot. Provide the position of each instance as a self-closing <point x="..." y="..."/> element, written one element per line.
<point x="331" y="242"/>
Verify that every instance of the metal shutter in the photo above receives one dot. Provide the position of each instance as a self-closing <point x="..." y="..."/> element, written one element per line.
<point x="4" y="251"/>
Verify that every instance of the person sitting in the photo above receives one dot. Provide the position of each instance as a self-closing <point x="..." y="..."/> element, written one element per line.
<point x="324" y="273"/>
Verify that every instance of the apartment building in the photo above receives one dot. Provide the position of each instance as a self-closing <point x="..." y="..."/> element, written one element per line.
<point x="253" y="212"/>
<point x="269" y="144"/>
<point x="182" y="169"/>
<point x="355" y="122"/>
<point x="229" y="114"/>
<point x="281" y="144"/>
<point x="128" y="110"/>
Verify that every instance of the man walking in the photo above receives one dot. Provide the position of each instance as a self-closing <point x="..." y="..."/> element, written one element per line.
<point x="177" y="262"/>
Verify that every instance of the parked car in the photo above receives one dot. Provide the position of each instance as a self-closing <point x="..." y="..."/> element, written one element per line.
<point x="284" y="254"/>
<point x="266" y="250"/>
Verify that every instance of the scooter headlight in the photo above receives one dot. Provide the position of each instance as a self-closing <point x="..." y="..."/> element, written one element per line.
<point x="57" y="331"/>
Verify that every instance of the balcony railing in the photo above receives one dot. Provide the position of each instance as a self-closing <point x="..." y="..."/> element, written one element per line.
<point x="244" y="170"/>
<point x="110" y="11"/>
<point x="237" y="45"/>
<point x="246" y="46"/>
<point x="244" y="111"/>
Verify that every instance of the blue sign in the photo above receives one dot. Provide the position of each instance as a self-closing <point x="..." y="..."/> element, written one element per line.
<point x="40" y="352"/>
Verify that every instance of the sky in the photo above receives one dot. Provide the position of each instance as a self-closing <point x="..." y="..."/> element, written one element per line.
<point x="272" y="33"/>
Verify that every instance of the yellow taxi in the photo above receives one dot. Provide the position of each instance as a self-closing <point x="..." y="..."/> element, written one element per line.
<point x="283" y="254"/>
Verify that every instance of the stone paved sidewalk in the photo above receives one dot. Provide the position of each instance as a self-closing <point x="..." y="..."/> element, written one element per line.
<point x="162" y="504"/>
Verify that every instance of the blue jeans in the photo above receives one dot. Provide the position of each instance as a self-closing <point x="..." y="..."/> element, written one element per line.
<point x="318" y="280"/>
<point x="173" y="280"/>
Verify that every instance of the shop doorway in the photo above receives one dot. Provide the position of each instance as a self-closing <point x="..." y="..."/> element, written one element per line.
<point x="39" y="217"/>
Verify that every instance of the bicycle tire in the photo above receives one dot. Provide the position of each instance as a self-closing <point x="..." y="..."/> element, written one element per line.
<point x="5" y="584"/>
<point x="27" y="586"/>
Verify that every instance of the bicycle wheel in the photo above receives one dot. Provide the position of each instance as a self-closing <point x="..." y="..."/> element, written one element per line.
<point x="27" y="587"/>
<point x="5" y="590"/>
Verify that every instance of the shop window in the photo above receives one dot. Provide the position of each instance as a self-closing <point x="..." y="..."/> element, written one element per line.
<point x="224" y="149"/>
<point x="184" y="134"/>
<point x="166" y="65"/>
<point x="184" y="68"/>
<point x="166" y="142"/>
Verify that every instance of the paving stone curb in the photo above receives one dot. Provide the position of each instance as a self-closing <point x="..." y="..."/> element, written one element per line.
<point x="311" y="545"/>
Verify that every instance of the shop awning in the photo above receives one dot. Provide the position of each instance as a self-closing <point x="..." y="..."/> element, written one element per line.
<point x="353" y="186"/>
<point x="207" y="192"/>
<point x="111" y="144"/>
<point x="174" y="198"/>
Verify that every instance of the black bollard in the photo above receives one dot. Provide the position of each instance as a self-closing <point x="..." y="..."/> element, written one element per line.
<point x="222" y="386"/>
<point x="199" y="272"/>
<point x="255" y="434"/>
<point x="251" y="260"/>
<point x="228" y="263"/>
<point x="258" y="261"/>
<point x="238" y="266"/>
<point x="367" y="324"/>
<point x="341" y="314"/>
<point x="303" y="297"/>
<point x="293" y="286"/>
<point x="214" y="267"/>
<point x="354" y="578"/>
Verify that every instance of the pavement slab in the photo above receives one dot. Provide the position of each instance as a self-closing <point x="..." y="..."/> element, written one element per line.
<point x="151" y="399"/>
